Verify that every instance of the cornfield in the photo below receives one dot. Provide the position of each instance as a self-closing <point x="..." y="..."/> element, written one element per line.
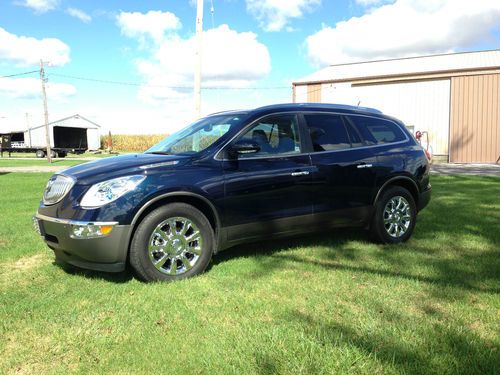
<point x="131" y="142"/>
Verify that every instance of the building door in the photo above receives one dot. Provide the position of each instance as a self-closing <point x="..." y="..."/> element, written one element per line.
<point x="475" y="119"/>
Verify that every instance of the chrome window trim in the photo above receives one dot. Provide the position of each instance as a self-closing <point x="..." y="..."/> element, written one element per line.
<point x="313" y="152"/>
<point x="73" y="222"/>
<point x="357" y="148"/>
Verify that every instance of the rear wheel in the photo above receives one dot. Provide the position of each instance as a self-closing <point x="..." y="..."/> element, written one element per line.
<point x="172" y="242"/>
<point x="395" y="216"/>
<point x="40" y="154"/>
<point x="61" y="154"/>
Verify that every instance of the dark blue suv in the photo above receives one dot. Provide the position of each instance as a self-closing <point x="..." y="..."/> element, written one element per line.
<point x="236" y="177"/>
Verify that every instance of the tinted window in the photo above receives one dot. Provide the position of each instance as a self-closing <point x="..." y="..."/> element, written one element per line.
<point x="377" y="131"/>
<point x="354" y="135"/>
<point x="327" y="132"/>
<point x="278" y="134"/>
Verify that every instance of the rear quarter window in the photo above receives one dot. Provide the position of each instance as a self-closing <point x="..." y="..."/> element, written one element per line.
<point x="376" y="130"/>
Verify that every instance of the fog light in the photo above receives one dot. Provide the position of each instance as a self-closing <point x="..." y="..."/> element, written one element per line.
<point x="90" y="231"/>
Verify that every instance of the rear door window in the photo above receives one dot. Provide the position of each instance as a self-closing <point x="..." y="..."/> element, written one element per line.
<point x="327" y="132"/>
<point x="376" y="130"/>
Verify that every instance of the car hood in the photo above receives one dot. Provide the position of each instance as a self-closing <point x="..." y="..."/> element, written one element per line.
<point x="115" y="166"/>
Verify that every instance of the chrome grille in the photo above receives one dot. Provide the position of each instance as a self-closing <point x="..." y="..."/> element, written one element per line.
<point x="57" y="187"/>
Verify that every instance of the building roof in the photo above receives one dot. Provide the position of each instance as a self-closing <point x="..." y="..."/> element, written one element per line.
<point x="407" y="66"/>
<point x="66" y="119"/>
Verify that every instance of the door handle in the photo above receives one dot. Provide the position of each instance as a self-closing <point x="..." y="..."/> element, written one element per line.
<point x="301" y="173"/>
<point x="364" y="166"/>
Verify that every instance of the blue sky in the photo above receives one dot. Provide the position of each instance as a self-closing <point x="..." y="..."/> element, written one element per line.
<point x="253" y="50"/>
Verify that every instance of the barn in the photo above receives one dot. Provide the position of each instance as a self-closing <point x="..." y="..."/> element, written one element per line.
<point x="455" y="98"/>
<point x="72" y="134"/>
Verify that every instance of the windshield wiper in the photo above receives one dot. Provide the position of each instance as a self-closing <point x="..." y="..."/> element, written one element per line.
<point x="159" y="153"/>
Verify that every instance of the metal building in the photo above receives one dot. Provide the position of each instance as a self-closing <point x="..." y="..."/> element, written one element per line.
<point x="454" y="97"/>
<point x="71" y="133"/>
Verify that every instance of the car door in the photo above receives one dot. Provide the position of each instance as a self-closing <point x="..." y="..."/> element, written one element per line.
<point x="268" y="192"/>
<point x="344" y="170"/>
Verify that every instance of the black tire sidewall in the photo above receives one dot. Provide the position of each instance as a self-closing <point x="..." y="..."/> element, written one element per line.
<point x="139" y="257"/>
<point x="378" y="229"/>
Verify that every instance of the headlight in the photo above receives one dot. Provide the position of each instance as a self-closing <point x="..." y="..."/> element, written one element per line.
<point x="108" y="191"/>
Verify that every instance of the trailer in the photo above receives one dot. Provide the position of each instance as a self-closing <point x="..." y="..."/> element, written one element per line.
<point x="74" y="134"/>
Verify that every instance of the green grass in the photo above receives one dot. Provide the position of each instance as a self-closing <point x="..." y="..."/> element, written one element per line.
<point x="325" y="304"/>
<point x="37" y="162"/>
<point x="33" y="162"/>
<point x="103" y="154"/>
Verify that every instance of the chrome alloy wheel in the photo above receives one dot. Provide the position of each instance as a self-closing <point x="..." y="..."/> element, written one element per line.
<point x="397" y="216"/>
<point x="175" y="246"/>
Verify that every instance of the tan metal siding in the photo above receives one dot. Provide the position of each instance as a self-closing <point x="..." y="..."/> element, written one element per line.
<point x="300" y="93"/>
<point x="314" y="93"/>
<point x="475" y="119"/>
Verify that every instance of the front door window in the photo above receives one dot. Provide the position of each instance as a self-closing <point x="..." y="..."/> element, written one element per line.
<point x="276" y="135"/>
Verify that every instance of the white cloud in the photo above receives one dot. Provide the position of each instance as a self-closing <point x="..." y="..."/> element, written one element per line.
<point x="153" y="23"/>
<point x="80" y="14"/>
<point x="40" y="6"/>
<point x="24" y="51"/>
<point x="29" y="88"/>
<point x="274" y="15"/>
<point x="230" y="59"/>
<point x="405" y="28"/>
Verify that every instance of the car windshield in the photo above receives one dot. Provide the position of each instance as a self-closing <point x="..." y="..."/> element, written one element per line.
<point x="197" y="136"/>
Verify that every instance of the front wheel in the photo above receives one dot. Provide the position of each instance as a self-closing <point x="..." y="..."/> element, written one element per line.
<point x="395" y="216"/>
<point x="173" y="242"/>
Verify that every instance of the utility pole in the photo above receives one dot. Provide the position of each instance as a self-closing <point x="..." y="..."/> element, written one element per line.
<point x="46" y="112"/>
<point x="28" y="128"/>
<point x="199" y="44"/>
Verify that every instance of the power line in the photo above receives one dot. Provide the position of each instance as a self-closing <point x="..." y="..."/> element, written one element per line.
<point x="19" y="74"/>
<point x="128" y="83"/>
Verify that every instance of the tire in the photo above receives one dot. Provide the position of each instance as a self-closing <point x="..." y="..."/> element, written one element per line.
<point x="53" y="154"/>
<point x="394" y="217"/>
<point x="61" y="154"/>
<point x="183" y="252"/>
<point x="40" y="154"/>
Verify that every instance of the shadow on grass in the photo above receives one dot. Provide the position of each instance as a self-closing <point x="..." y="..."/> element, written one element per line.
<point x="115" y="277"/>
<point x="438" y="349"/>
<point x="466" y="271"/>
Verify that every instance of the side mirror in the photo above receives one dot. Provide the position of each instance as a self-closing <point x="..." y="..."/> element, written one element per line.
<point x="244" y="146"/>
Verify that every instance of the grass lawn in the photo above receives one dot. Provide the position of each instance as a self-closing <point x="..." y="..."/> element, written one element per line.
<point x="327" y="304"/>
<point x="33" y="162"/>
<point x="31" y="155"/>
<point x="37" y="162"/>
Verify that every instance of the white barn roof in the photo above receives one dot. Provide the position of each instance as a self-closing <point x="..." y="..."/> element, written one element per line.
<point x="77" y="121"/>
<point x="407" y="66"/>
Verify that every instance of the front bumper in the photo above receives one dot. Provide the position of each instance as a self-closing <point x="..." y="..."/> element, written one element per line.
<point x="107" y="253"/>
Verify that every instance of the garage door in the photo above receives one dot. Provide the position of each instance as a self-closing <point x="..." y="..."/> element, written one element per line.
<point x="475" y="119"/>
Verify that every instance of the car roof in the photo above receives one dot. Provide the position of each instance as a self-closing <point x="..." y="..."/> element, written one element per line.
<point x="291" y="107"/>
<point x="318" y="106"/>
